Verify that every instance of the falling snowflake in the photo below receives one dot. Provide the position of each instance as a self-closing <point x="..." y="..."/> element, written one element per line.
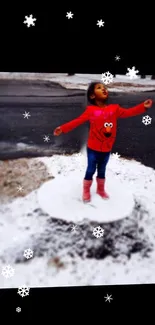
<point x="116" y="155"/>
<point x="46" y="138"/>
<point x="108" y="298"/>
<point x="107" y="78"/>
<point x="69" y="15"/>
<point x="98" y="232"/>
<point x="146" y="120"/>
<point x="8" y="271"/>
<point x="74" y="228"/>
<point x="132" y="73"/>
<point x="19" y="188"/>
<point x="23" y="291"/>
<point x="117" y="58"/>
<point x="26" y="115"/>
<point x="29" y="21"/>
<point x="100" y="23"/>
<point x="18" y="309"/>
<point x="28" y="253"/>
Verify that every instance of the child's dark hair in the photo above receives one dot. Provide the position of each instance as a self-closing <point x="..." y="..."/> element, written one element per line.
<point x="90" y="91"/>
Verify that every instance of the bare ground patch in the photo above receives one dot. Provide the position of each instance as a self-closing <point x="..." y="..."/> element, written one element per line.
<point x="26" y="173"/>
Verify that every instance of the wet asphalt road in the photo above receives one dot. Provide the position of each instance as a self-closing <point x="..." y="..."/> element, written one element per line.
<point x="51" y="105"/>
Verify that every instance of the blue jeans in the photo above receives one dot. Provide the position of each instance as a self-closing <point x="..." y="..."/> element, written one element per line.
<point x="96" y="160"/>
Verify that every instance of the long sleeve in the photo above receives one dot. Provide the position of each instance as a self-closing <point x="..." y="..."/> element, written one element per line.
<point x="129" y="112"/>
<point x="76" y="122"/>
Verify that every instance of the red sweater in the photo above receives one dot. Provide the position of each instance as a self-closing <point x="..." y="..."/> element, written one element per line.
<point x="103" y="124"/>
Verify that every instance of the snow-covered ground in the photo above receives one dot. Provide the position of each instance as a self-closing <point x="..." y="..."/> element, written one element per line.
<point x="120" y="82"/>
<point x="21" y="225"/>
<point x="66" y="201"/>
<point x="81" y="81"/>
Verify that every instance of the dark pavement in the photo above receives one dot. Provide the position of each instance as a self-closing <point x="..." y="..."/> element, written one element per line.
<point x="50" y="105"/>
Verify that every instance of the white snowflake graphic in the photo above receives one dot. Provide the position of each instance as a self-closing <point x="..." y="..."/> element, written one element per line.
<point x="29" y="21"/>
<point x="26" y="115"/>
<point x="108" y="298"/>
<point x="116" y="155"/>
<point x="69" y="15"/>
<point x="46" y="138"/>
<point x="100" y="23"/>
<point x="107" y="78"/>
<point x="74" y="228"/>
<point x="23" y="291"/>
<point x="117" y="58"/>
<point x="8" y="271"/>
<point x="28" y="253"/>
<point x="146" y="120"/>
<point x="19" y="188"/>
<point x="132" y="73"/>
<point x="18" y="309"/>
<point x="98" y="232"/>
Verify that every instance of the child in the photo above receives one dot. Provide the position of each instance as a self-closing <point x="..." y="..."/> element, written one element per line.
<point x="102" y="134"/>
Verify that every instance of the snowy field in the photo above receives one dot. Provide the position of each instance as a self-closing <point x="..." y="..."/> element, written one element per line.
<point x="57" y="260"/>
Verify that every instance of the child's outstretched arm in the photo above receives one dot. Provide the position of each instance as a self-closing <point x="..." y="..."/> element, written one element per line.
<point x="133" y="111"/>
<point x="72" y="124"/>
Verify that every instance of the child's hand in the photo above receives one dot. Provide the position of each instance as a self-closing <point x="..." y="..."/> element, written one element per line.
<point x="148" y="103"/>
<point x="57" y="131"/>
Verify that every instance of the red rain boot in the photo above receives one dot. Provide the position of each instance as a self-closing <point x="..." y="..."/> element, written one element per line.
<point x="86" y="190"/>
<point x="100" y="188"/>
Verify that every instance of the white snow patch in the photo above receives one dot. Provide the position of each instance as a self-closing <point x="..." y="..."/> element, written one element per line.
<point x="61" y="198"/>
<point x="82" y="272"/>
<point x="15" y="222"/>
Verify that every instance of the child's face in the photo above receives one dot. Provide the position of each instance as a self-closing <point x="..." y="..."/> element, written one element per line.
<point x="100" y="92"/>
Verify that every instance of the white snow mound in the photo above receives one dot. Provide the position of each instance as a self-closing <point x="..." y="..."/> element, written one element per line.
<point x="61" y="198"/>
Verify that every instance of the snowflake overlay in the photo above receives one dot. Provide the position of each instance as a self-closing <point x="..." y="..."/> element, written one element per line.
<point x="8" y="271"/>
<point x="74" y="228"/>
<point x="98" y="232"/>
<point x="146" y="120"/>
<point x="69" y="15"/>
<point x="26" y="115"/>
<point x="116" y="155"/>
<point x="19" y="188"/>
<point x="23" y="291"/>
<point x="46" y="138"/>
<point x="108" y="298"/>
<point x="100" y="23"/>
<point x="29" y="21"/>
<point x="28" y="253"/>
<point x="18" y="309"/>
<point x="117" y="58"/>
<point x="132" y="73"/>
<point x="107" y="78"/>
